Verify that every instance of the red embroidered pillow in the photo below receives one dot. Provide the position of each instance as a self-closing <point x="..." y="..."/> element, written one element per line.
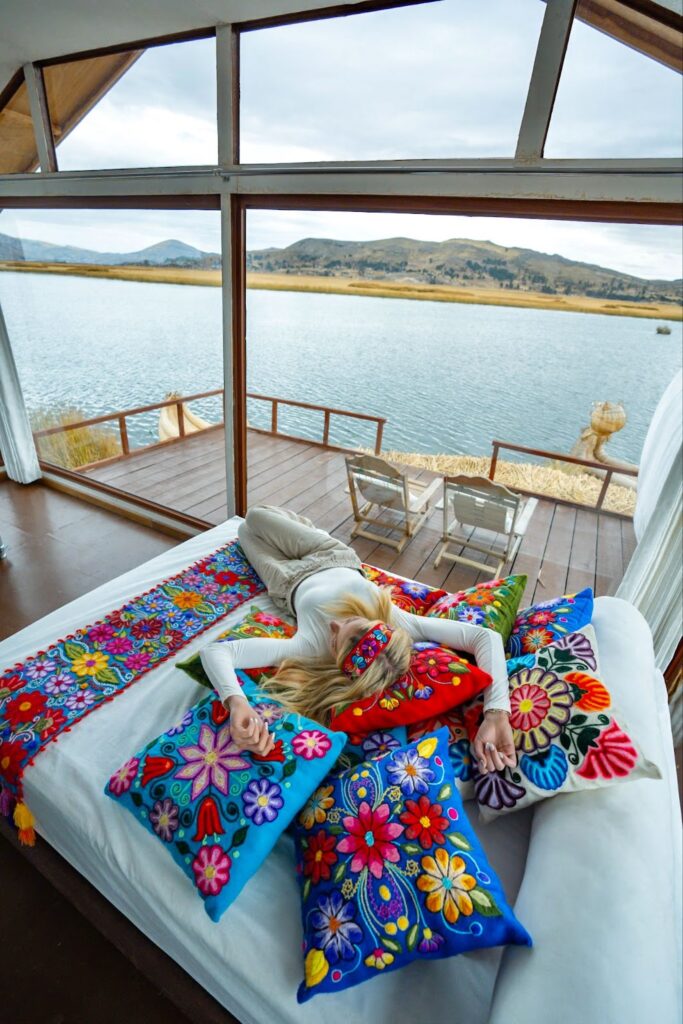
<point x="409" y="595"/>
<point x="437" y="680"/>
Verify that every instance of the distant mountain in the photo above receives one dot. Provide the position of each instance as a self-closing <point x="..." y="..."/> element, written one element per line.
<point x="168" y="253"/>
<point x="459" y="261"/>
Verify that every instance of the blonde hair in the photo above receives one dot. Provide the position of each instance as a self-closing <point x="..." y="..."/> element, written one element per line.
<point x="314" y="686"/>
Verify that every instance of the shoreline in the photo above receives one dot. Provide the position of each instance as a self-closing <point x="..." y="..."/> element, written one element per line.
<point x="354" y="286"/>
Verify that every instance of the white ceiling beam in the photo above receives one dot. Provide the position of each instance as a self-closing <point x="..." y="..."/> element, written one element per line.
<point x="545" y="78"/>
<point x="228" y="94"/>
<point x="42" y="129"/>
<point x="631" y="181"/>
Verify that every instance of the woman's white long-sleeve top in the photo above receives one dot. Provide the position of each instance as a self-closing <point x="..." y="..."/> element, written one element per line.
<point x="220" y="659"/>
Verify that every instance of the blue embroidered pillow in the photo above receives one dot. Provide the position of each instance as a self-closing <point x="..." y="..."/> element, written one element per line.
<point x="543" y="624"/>
<point x="375" y="744"/>
<point x="218" y="809"/>
<point x="391" y="871"/>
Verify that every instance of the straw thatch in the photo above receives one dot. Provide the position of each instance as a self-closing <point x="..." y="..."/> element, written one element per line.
<point x="555" y="482"/>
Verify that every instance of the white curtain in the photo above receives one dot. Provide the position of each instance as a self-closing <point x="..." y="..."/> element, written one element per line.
<point x="653" y="581"/>
<point x="16" y="439"/>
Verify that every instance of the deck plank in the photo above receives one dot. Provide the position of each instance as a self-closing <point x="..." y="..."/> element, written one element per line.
<point x="557" y="554"/>
<point x="609" y="568"/>
<point x="582" y="560"/>
<point x="529" y="558"/>
<point x="569" y="548"/>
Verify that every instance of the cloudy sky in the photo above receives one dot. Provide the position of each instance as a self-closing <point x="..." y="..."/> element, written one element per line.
<point x="443" y="79"/>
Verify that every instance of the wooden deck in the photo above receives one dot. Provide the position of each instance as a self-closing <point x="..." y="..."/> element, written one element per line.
<point x="565" y="548"/>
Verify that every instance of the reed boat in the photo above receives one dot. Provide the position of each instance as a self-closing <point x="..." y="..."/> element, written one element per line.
<point x="169" y="421"/>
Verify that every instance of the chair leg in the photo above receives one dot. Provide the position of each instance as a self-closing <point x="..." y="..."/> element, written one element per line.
<point x="440" y="555"/>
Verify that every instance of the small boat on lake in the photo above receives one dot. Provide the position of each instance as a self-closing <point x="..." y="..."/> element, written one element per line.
<point x="663" y="329"/>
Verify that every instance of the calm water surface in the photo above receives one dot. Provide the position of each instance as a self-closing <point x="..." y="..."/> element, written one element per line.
<point x="448" y="377"/>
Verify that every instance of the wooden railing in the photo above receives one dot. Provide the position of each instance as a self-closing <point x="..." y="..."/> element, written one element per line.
<point x="120" y="418"/>
<point x="327" y="410"/>
<point x="609" y="471"/>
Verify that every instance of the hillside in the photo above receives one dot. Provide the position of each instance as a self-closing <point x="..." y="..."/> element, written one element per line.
<point x="170" y="252"/>
<point x="456" y="263"/>
<point x="459" y="262"/>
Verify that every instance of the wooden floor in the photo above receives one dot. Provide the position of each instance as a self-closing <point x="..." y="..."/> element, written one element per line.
<point x="565" y="548"/>
<point x="56" y="965"/>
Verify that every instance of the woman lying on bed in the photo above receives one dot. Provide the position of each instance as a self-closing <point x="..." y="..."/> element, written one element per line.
<point x="319" y="580"/>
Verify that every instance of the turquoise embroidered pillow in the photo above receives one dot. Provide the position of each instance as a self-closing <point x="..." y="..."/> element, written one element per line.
<point x="217" y="809"/>
<point x="542" y="624"/>
<point x="568" y="733"/>
<point x="391" y="871"/>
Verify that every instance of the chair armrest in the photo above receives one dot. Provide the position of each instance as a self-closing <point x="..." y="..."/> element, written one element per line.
<point x="418" y="501"/>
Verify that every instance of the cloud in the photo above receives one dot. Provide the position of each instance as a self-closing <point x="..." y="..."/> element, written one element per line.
<point x="436" y="80"/>
<point x="446" y="79"/>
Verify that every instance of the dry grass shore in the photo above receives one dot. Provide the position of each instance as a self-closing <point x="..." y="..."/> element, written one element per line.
<point x="556" y="483"/>
<point x="352" y="286"/>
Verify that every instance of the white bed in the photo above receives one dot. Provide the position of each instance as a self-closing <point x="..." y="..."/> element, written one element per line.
<point x="602" y="905"/>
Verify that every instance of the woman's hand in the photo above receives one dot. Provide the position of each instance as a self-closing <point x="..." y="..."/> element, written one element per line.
<point x="248" y="730"/>
<point x="494" y="744"/>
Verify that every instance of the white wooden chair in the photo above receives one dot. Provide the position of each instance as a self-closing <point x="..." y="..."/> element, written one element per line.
<point x="382" y="495"/>
<point x="474" y="501"/>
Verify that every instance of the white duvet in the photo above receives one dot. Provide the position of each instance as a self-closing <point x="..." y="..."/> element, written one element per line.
<point x="599" y="892"/>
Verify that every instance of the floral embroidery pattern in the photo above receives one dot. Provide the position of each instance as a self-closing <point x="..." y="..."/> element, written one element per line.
<point x="462" y="723"/>
<point x="389" y="877"/>
<point x="540" y="703"/>
<point x="218" y="809"/>
<point x="544" y="624"/>
<point x="492" y="604"/>
<point x="55" y="689"/>
<point x="564" y="729"/>
<point x="437" y="679"/>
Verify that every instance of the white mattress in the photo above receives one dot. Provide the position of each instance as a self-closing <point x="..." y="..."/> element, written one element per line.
<point x="260" y="935"/>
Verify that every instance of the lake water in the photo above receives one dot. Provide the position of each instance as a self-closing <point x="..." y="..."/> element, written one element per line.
<point x="448" y="377"/>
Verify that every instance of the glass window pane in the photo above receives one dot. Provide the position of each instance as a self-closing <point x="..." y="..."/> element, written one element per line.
<point x="614" y="101"/>
<point x="436" y="80"/>
<point x="352" y="325"/>
<point x="160" y="111"/>
<point x="17" y="141"/>
<point x="93" y="338"/>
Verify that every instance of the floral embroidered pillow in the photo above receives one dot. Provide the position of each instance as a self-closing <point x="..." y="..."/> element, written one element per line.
<point x="542" y="624"/>
<point x="568" y="734"/>
<point x="492" y="604"/>
<point x="256" y="623"/>
<point x="438" y="679"/>
<point x="391" y="871"/>
<point x="217" y="809"/>
<point x="376" y="744"/>
<point x="462" y="723"/>
<point x="409" y="595"/>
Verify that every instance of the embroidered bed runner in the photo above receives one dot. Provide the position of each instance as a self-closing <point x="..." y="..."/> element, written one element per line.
<point x="53" y="690"/>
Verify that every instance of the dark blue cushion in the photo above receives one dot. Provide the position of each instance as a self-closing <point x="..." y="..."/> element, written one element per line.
<point x="391" y="871"/>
